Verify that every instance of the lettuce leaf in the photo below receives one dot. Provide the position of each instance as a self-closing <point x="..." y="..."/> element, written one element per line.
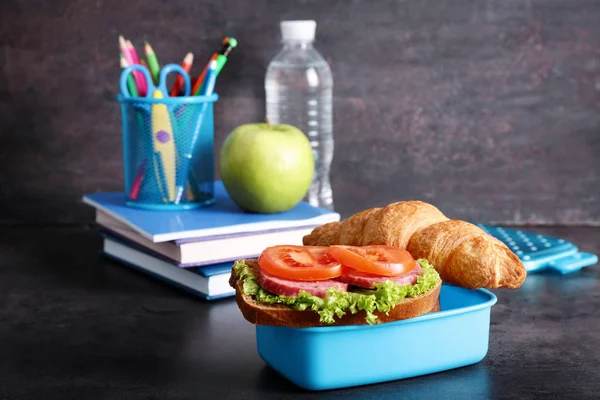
<point x="382" y="298"/>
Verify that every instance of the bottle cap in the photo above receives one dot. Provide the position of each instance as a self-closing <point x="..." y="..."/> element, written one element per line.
<point x="298" y="30"/>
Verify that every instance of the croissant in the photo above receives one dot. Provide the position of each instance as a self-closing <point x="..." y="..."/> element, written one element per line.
<point x="462" y="253"/>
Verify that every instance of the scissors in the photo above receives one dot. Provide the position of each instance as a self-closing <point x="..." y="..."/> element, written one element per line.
<point x="163" y="140"/>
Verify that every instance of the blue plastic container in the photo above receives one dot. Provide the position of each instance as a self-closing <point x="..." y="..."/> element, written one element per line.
<point x="334" y="357"/>
<point x="171" y="168"/>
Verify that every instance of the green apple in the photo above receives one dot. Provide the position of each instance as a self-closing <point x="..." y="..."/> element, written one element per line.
<point x="266" y="168"/>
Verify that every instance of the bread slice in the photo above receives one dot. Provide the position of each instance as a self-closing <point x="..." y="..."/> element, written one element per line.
<point x="281" y="315"/>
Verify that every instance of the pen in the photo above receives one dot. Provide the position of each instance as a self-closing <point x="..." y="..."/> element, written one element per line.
<point x="224" y="49"/>
<point x="211" y="77"/>
<point x="222" y="57"/>
<point x="228" y="45"/>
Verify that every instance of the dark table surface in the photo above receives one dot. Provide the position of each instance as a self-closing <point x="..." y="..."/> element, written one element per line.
<point x="74" y="325"/>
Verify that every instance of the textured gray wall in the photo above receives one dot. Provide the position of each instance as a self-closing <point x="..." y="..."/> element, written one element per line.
<point x="488" y="109"/>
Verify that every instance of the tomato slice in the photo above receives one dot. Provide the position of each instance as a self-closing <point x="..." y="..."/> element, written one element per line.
<point x="300" y="263"/>
<point x="377" y="260"/>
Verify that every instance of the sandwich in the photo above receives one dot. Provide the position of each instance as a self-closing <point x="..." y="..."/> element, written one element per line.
<point x="379" y="265"/>
<point x="304" y="286"/>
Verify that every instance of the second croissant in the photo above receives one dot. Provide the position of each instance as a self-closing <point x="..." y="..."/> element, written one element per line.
<point x="462" y="253"/>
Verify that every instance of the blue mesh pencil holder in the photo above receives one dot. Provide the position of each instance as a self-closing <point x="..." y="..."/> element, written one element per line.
<point x="168" y="151"/>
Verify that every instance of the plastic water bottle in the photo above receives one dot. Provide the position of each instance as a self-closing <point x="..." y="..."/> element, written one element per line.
<point x="299" y="88"/>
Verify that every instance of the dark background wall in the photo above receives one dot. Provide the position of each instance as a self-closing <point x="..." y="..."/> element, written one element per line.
<point x="488" y="109"/>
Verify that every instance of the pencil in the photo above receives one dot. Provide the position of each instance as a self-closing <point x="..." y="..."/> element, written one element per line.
<point x="143" y="86"/>
<point x="137" y="76"/>
<point x="137" y="183"/>
<point x="152" y="62"/>
<point x="124" y="51"/>
<point x="187" y="66"/>
<point x="130" y="82"/>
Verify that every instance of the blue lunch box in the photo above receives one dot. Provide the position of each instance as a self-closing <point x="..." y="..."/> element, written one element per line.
<point x="334" y="357"/>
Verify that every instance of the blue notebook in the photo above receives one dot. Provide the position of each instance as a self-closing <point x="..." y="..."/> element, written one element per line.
<point x="222" y="219"/>
<point x="209" y="282"/>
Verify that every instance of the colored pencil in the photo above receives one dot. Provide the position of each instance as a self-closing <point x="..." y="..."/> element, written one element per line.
<point x="124" y="50"/>
<point x="137" y="182"/>
<point x="137" y="76"/>
<point x="144" y="87"/>
<point x="187" y="66"/>
<point x="152" y="62"/>
<point x="196" y="88"/>
<point x="130" y="82"/>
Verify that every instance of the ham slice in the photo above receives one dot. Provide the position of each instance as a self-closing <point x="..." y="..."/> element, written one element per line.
<point x="286" y="287"/>
<point x="365" y="280"/>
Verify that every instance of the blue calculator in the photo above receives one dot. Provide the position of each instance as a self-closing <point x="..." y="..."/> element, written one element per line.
<point x="541" y="252"/>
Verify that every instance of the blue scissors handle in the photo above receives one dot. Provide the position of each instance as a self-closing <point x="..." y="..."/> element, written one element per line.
<point x="162" y="83"/>
<point x="164" y="73"/>
<point x="128" y="71"/>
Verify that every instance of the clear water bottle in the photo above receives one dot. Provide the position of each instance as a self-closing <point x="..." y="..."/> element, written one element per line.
<point x="299" y="88"/>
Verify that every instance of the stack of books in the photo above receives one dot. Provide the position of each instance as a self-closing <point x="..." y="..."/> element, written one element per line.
<point x="195" y="249"/>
